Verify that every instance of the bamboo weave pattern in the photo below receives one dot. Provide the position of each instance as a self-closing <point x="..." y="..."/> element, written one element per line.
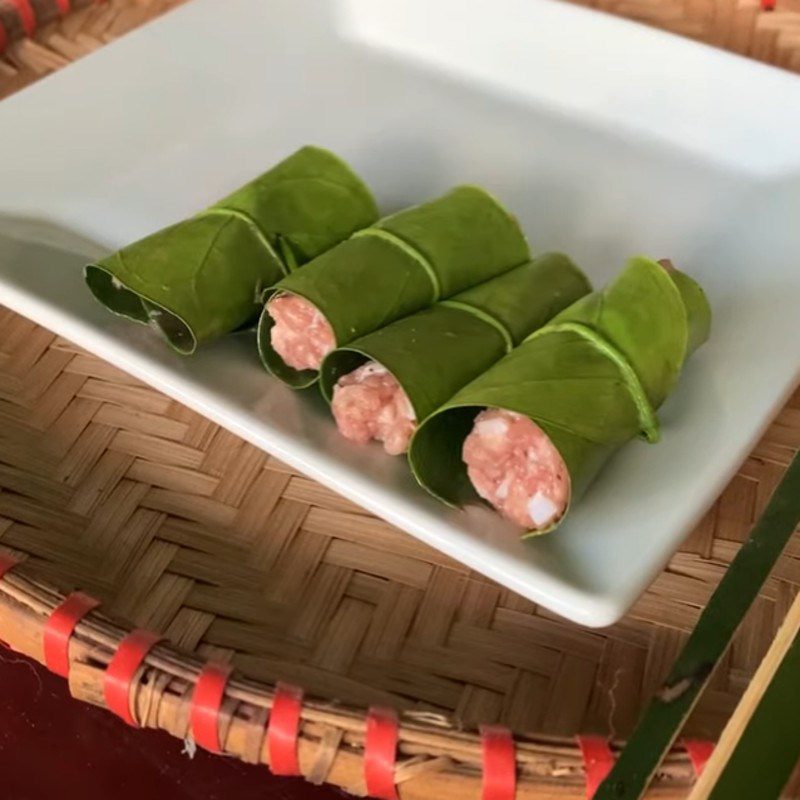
<point x="177" y="525"/>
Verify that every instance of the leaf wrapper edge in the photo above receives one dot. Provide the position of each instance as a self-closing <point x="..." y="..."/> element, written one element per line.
<point x="201" y="278"/>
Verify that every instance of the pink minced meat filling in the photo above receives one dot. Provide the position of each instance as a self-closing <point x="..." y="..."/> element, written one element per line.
<point x="301" y="335"/>
<point x="513" y="464"/>
<point x="369" y="404"/>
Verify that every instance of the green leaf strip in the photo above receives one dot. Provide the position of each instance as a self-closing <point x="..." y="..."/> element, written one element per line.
<point x="772" y="737"/>
<point x="736" y="593"/>
<point x="409" y="250"/>
<point x="484" y="317"/>
<point x="647" y="416"/>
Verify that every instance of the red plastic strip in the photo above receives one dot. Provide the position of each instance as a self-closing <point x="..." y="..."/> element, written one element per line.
<point x="27" y="16"/>
<point x="499" y="763"/>
<point x="7" y="562"/>
<point x="597" y="761"/>
<point x="132" y="651"/>
<point x="699" y="751"/>
<point x="59" y="628"/>
<point x="283" y="730"/>
<point x="380" y="753"/>
<point x="209" y="693"/>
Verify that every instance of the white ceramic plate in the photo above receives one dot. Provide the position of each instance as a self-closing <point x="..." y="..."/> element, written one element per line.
<point x="606" y="138"/>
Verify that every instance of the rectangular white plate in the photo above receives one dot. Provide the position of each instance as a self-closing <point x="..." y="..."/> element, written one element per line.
<point x="606" y="138"/>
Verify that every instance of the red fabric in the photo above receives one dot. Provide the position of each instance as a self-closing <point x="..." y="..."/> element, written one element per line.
<point x="499" y="763"/>
<point x="59" y="628"/>
<point x="27" y="16"/>
<point x="207" y="698"/>
<point x="380" y="753"/>
<point x="132" y="651"/>
<point x="93" y="755"/>
<point x="7" y="561"/>
<point x="699" y="751"/>
<point x="283" y="730"/>
<point x="597" y="761"/>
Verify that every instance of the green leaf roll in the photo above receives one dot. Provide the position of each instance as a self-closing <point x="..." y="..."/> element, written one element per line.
<point x="654" y="315"/>
<point x="584" y="384"/>
<point x="402" y="264"/>
<point x="203" y="277"/>
<point x="430" y="355"/>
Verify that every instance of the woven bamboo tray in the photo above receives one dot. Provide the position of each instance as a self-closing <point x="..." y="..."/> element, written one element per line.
<point x="178" y="527"/>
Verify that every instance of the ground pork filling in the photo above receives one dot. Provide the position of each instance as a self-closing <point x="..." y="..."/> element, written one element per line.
<point x="301" y="335"/>
<point x="514" y="466"/>
<point x="369" y="404"/>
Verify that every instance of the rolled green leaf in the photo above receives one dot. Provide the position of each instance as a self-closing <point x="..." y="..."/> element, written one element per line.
<point x="465" y="237"/>
<point x="574" y="380"/>
<point x="698" y="311"/>
<point x="402" y="264"/>
<point x="654" y="315"/>
<point x="203" y="277"/>
<point x="435" y="352"/>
